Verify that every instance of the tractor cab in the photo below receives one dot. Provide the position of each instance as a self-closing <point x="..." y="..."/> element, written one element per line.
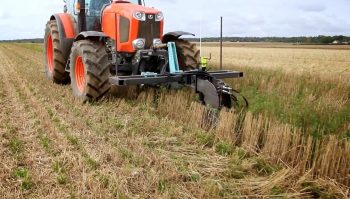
<point x="91" y="18"/>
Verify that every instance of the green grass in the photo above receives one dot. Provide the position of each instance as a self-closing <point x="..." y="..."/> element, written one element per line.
<point x="104" y="180"/>
<point x="205" y="139"/>
<point x="90" y="162"/>
<point x="263" y="167"/>
<point x="162" y="185"/>
<point x="235" y="168"/>
<point x="312" y="116"/>
<point x="72" y="140"/>
<point x="16" y="146"/>
<point x="126" y="154"/>
<point x="316" y="191"/>
<point x="45" y="142"/>
<point x="60" y="170"/>
<point x="23" y="176"/>
<point x="224" y="148"/>
<point x="277" y="191"/>
<point x="32" y="46"/>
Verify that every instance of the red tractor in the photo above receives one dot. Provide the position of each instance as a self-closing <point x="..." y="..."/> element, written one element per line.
<point x="96" y="44"/>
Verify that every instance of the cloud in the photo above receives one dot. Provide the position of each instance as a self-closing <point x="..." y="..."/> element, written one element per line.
<point x="260" y="18"/>
<point x="312" y="8"/>
<point x="241" y="17"/>
<point x="4" y="15"/>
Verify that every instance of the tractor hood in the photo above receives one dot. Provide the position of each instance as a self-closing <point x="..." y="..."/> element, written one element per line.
<point x="128" y="23"/>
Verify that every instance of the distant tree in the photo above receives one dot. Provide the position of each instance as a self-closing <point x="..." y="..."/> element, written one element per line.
<point x="340" y="38"/>
<point x="326" y="39"/>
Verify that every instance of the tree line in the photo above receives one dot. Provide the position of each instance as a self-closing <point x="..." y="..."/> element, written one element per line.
<point x="302" y="40"/>
<point x="36" y="40"/>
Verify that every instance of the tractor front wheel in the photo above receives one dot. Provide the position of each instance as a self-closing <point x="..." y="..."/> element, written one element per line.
<point x="89" y="70"/>
<point x="188" y="55"/>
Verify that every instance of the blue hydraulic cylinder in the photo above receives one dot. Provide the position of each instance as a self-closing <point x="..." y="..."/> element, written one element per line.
<point x="173" y="61"/>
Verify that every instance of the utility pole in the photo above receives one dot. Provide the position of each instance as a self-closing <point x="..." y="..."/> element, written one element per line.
<point x="221" y="43"/>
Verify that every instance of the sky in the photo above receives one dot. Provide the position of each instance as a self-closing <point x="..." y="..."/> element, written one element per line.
<point x="27" y="19"/>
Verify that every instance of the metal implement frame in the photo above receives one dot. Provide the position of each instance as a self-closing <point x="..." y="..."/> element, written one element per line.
<point x="166" y="71"/>
<point x="187" y="77"/>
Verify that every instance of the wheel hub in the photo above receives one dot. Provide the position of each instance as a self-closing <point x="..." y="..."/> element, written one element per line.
<point x="49" y="54"/>
<point x="79" y="74"/>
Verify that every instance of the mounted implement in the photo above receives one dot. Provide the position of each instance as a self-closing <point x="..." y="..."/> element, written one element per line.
<point x="97" y="44"/>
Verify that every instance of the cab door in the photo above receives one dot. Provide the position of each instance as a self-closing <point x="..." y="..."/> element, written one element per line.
<point x="91" y="19"/>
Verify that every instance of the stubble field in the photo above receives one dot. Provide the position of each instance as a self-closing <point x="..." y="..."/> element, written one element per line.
<point x="292" y="142"/>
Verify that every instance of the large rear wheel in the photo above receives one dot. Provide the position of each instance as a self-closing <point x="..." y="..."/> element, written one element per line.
<point x="54" y="59"/>
<point x="188" y="55"/>
<point x="89" y="70"/>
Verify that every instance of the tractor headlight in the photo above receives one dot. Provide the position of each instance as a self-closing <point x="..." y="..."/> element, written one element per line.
<point x="139" y="44"/>
<point x="141" y="16"/>
<point x="159" y="16"/>
<point x="157" y="42"/>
